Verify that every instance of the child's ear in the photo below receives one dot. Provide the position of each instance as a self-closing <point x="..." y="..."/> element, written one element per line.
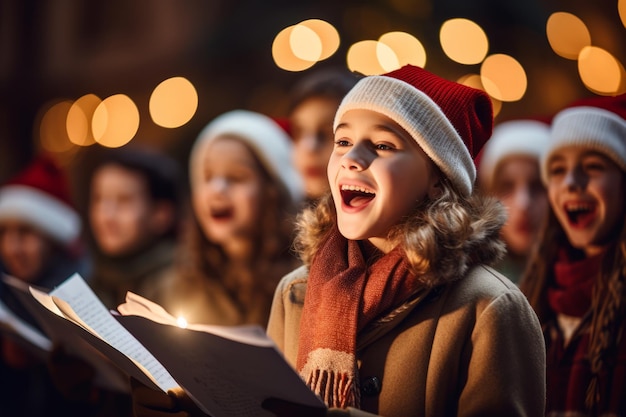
<point x="436" y="188"/>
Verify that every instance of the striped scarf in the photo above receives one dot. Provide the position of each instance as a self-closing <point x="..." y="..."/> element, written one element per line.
<point x="345" y="292"/>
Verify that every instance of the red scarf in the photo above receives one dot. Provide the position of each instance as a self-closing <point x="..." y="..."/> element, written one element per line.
<point x="343" y="295"/>
<point x="574" y="282"/>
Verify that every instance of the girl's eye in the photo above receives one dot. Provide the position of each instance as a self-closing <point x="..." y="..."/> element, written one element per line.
<point x="342" y="142"/>
<point x="593" y="166"/>
<point x="556" y="170"/>
<point x="384" y="147"/>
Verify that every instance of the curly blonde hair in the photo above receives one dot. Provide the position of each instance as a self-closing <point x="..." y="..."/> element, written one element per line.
<point x="442" y="238"/>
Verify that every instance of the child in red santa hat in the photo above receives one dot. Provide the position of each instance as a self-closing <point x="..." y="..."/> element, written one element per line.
<point x="576" y="280"/>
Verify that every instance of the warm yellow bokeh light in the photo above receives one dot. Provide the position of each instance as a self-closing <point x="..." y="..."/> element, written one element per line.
<point x="283" y="55"/>
<point x="406" y="47"/>
<point x="503" y="77"/>
<point x="463" y="41"/>
<point x="600" y="71"/>
<point x="371" y="58"/>
<point x="567" y="34"/>
<point x="52" y="133"/>
<point x="173" y="102"/>
<point x="78" y="123"/>
<point x="327" y="34"/>
<point x="474" y="81"/>
<point x="621" y="9"/>
<point x="305" y="43"/>
<point x="116" y="121"/>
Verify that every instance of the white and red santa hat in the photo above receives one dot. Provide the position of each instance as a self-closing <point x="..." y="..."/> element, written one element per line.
<point x="597" y="123"/>
<point x="39" y="196"/>
<point x="519" y="137"/>
<point x="450" y="122"/>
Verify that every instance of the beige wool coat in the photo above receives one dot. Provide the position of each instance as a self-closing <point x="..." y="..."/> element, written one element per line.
<point x="471" y="347"/>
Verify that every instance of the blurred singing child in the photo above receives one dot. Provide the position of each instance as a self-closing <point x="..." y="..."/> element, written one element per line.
<point x="576" y="280"/>
<point x="41" y="244"/>
<point x="509" y="170"/>
<point x="244" y="195"/>
<point x="314" y="101"/>
<point x="395" y="312"/>
<point x="134" y="211"/>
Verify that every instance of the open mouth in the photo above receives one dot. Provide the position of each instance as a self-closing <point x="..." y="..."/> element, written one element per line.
<point x="356" y="196"/>
<point x="580" y="214"/>
<point x="222" y="213"/>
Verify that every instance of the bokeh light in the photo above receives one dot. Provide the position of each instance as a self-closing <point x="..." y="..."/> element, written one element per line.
<point x="600" y="71"/>
<point x="407" y="48"/>
<point x="301" y="46"/>
<point x="567" y="34"/>
<point x="305" y="43"/>
<point x="173" y="102"/>
<point x="463" y="41"/>
<point x="371" y="58"/>
<point x="327" y="34"/>
<point x="116" y="121"/>
<point x="474" y="81"/>
<point x="283" y="54"/>
<point x="621" y="9"/>
<point x="78" y="123"/>
<point x="503" y="77"/>
<point x="52" y="132"/>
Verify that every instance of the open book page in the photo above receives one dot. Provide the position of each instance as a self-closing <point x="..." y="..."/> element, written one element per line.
<point x="75" y="301"/>
<point x="217" y="367"/>
<point x="63" y="333"/>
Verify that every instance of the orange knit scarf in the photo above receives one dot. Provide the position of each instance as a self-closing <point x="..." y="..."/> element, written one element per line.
<point x="343" y="295"/>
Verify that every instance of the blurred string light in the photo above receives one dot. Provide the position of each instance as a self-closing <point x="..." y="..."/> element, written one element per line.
<point x="599" y="70"/>
<point x="78" y="120"/>
<point x="301" y="46"/>
<point x="567" y="34"/>
<point x="503" y="77"/>
<point x="621" y="9"/>
<point x="52" y="131"/>
<point x="115" y="121"/>
<point x="463" y="41"/>
<point x="173" y="102"/>
<point x="390" y="52"/>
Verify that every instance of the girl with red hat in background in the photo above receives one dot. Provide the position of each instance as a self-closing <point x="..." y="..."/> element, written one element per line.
<point x="576" y="280"/>
<point x="41" y="244"/>
<point x="395" y="311"/>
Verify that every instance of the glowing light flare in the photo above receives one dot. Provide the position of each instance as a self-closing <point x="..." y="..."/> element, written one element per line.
<point x="371" y="58"/>
<point x="475" y="81"/>
<point x="503" y="77"/>
<point x="173" y="102"/>
<point x="283" y="55"/>
<point x="78" y="123"/>
<point x="115" y="121"/>
<point x="600" y="71"/>
<point x="407" y="48"/>
<point x="567" y="34"/>
<point x="181" y="322"/>
<point x="463" y="41"/>
<point x="621" y="9"/>
<point x="52" y="132"/>
<point x="327" y="34"/>
<point x="305" y="43"/>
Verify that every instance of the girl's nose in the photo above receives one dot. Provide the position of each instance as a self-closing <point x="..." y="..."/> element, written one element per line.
<point x="575" y="179"/>
<point x="357" y="158"/>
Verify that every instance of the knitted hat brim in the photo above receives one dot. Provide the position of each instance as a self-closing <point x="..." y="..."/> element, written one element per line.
<point x="45" y="213"/>
<point x="590" y="127"/>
